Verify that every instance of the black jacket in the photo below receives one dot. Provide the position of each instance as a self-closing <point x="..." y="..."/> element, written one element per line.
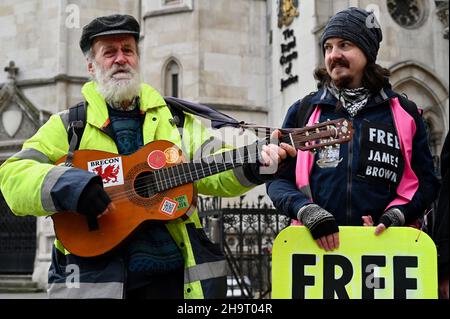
<point x="346" y="191"/>
<point x="441" y="236"/>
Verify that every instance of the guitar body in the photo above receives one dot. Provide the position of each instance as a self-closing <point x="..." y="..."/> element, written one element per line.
<point x="123" y="180"/>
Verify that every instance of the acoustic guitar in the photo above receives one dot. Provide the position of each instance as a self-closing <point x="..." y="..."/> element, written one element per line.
<point x="156" y="183"/>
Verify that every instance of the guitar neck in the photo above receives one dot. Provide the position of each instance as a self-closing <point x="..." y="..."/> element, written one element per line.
<point x="185" y="173"/>
<point x="307" y="138"/>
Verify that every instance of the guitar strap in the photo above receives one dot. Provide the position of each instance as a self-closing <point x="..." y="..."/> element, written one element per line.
<point x="75" y="129"/>
<point x="218" y="119"/>
<point x="304" y="111"/>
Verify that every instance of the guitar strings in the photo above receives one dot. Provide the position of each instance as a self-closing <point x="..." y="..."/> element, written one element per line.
<point x="181" y="179"/>
<point x="158" y="186"/>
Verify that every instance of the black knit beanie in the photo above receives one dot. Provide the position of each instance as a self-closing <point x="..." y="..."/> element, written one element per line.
<point x="358" y="26"/>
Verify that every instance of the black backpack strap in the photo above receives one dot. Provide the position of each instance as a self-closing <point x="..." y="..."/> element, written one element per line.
<point x="218" y="119"/>
<point x="177" y="115"/>
<point x="304" y="111"/>
<point x="75" y="129"/>
<point x="410" y="107"/>
<point x="177" y="118"/>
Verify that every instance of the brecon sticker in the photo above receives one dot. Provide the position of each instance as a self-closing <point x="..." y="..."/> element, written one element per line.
<point x="109" y="169"/>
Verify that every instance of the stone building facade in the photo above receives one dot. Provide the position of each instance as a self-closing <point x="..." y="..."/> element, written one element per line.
<point x="249" y="58"/>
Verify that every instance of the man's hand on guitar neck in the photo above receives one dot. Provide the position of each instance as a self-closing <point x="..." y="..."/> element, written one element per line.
<point x="273" y="154"/>
<point x="94" y="201"/>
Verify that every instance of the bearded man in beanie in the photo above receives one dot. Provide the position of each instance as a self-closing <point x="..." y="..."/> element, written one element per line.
<point x="384" y="176"/>
<point x="171" y="259"/>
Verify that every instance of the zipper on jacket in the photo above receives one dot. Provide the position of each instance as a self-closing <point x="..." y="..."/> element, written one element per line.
<point x="349" y="181"/>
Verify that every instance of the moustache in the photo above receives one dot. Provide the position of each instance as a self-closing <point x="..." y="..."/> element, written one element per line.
<point x="340" y="62"/>
<point x="119" y="69"/>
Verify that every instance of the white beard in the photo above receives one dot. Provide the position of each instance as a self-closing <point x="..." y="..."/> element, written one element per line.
<point x="118" y="84"/>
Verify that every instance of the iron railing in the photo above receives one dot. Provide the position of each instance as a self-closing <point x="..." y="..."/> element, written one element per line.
<point x="246" y="233"/>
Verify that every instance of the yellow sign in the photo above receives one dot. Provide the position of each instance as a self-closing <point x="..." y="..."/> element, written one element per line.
<point x="397" y="264"/>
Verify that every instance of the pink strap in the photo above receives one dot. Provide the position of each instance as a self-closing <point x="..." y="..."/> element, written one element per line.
<point x="305" y="159"/>
<point x="406" y="129"/>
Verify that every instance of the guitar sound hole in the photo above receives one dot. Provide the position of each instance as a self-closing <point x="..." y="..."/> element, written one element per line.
<point x="144" y="185"/>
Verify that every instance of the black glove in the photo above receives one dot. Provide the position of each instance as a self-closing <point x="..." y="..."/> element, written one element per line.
<point x="93" y="199"/>
<point x="392" y="217"/>
<point x="319" y="222"/>
<point x="251" y="172"/>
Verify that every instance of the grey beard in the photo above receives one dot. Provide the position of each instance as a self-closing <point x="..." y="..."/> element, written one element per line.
<point x="116" y="91"/>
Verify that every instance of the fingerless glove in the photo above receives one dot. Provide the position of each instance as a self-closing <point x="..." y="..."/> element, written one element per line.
<point x="319" y="221"/>
<point x="392" y="217"/>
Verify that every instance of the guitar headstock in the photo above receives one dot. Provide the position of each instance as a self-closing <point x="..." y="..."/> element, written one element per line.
<point x="320" y="135"/>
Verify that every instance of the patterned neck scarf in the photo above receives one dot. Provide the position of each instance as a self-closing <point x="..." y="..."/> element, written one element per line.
<point x="353" y="100"/>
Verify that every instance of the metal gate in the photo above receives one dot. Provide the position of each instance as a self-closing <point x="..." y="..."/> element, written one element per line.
<point x="17" y="241"/>
<point x="246" y="233"/>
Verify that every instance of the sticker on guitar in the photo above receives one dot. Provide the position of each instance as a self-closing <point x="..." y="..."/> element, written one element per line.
<point x="172" y="155"/>
<point x="156" y="159"/>
<point x="109" y="169"/>
<point x="168" y="206"/>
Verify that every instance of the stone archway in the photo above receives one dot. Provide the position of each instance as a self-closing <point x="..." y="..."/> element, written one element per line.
<point x="423" y="87"/>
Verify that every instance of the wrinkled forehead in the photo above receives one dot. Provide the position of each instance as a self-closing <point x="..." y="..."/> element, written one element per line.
<point x="114" y="41"/>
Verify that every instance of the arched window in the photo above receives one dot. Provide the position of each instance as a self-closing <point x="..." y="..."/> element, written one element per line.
<point x="172" y="79"/>
<point x="434" y="134"/>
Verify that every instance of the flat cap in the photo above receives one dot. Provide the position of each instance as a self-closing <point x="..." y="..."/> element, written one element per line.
<point x="108" y="25"/>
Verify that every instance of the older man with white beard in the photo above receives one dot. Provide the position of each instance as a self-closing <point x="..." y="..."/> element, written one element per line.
<point x="117" y="77"/>
<point x="159" y="260"/>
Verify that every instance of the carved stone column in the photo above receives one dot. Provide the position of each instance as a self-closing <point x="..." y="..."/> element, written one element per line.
<point x="442" y="13"/>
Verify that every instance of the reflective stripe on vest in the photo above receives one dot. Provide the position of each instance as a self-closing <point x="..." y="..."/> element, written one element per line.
<point x="206" y="271"/>
<point x="32" y="154"/>
<point x="78" y="290"/>
<point x="49" y="182"/>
